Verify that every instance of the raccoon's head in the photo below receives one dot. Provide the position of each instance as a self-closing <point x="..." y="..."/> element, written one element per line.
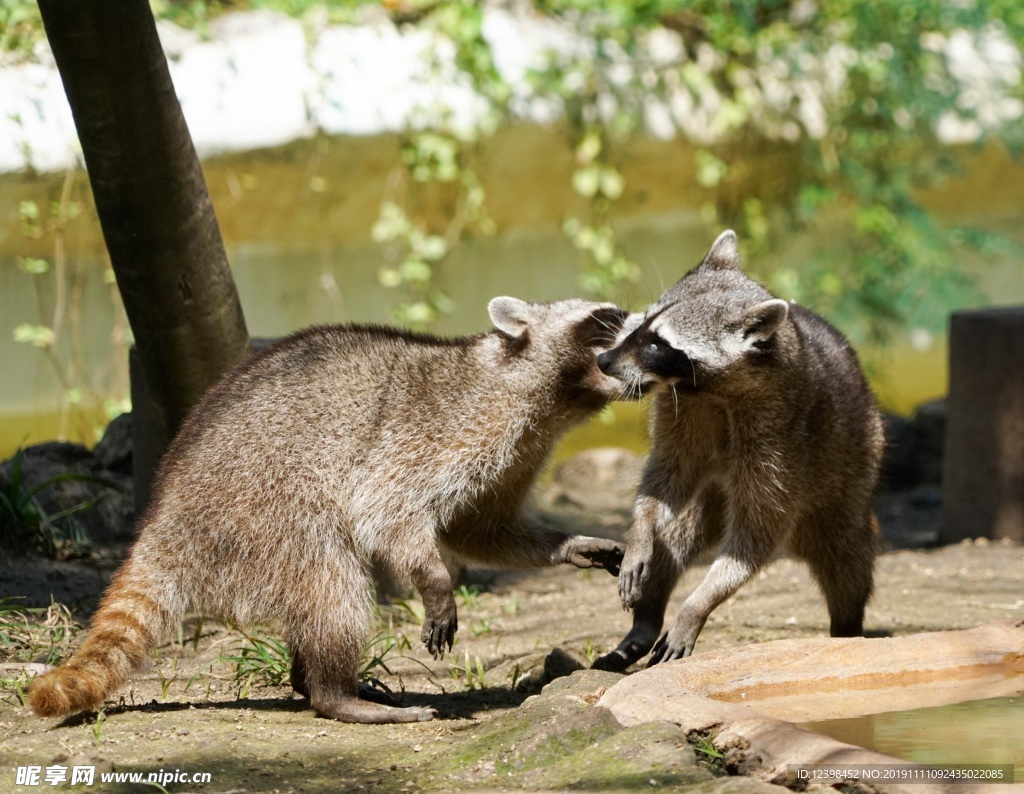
<point x="714" y="324"/>
<point x="555" y="346"/>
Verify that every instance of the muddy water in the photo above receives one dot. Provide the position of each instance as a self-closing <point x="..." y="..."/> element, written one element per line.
<point x="302" y="256"/>
<point x="975" y="732"/>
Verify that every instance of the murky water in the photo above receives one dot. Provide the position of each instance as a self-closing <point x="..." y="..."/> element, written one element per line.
<point x="300" y="258"/>
<point x="975" y="732"/>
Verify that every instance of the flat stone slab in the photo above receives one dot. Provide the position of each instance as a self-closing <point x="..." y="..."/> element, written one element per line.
<point x="748" y="697"/>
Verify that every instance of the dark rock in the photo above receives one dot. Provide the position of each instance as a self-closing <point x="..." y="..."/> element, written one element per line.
<point x="558" y="741"/>
<point x="914" y="447"/>
<point x="560" y="663"/>
<point x="114" y="452"/>
<point x="899" y="461"/>
<point x="910" y="519"/>
<point x="72" y="490"/>
<point x="929" y="438"/>
<point x="926" y="497"/>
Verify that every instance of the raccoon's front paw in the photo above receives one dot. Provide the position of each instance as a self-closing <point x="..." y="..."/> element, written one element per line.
<point x="634" y="575"/>
<point x="595" y="553"/>
<point x="676" y="643"/>
<point x="440" y="631"/>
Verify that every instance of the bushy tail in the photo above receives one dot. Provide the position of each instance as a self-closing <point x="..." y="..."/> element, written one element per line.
<point x="128" y="624"/>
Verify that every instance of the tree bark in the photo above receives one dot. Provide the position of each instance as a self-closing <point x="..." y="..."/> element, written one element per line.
<point x="151" y="198"/>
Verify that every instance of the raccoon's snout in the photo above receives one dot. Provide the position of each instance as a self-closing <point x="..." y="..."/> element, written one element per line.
<point x="605" y="361"/>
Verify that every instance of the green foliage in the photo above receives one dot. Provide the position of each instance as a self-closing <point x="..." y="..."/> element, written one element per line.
<point x="843" y="98"/>
<point x="21" y="27"/>
<point x="850" y="93"/>
<point x="470" y="673"/>
<point x="703" y="745"/>
<point x="58" y="335"/>
<point x="260" y="660"/>
<point x="468" y="595"/>
<point x="379" y="651"/>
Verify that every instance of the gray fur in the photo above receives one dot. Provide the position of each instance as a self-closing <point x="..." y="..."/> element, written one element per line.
<point x="340" y="450"/>
<point x="764" y="435"/>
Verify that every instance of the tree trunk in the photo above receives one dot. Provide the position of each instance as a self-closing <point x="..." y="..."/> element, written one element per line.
<point x="152" y="202"/>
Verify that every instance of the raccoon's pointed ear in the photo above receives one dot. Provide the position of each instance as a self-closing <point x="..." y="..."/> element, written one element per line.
<point x="723" y="253"/>
<point x="760" y="322"/>
<point x="509" y="315"/>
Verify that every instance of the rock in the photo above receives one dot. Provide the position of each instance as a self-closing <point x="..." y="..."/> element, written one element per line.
<point x="914" y="447"/>
<point x="928" y="426"/>
<point x="910" y="519"/>
<point x="114" y="452"/>
<point x="740" y="696"/>
<point x="64" y="477"/>
<point x="560" y="663"/>
<point x="583" y="683"/>
<point x="556" y="741"/>
<point x="822" y="678"/>
<point x="899" y="461"/>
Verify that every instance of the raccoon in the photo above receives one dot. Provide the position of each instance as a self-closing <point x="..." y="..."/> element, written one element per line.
<point x="338" y="451"/>
<point x="764" y="434"/>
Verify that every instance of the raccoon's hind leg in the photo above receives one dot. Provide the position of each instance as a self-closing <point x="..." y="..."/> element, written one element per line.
<point x="842" y="560"/>
<point x="327" y="640"/>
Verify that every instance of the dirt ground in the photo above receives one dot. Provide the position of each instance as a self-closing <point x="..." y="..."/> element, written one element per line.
<point x="189" y="711"/>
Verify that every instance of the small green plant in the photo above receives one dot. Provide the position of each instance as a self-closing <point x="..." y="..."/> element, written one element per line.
<point x="590" y="651"/>
<point x="377" y="653"/>
<point x="470" y="673"/>
<point x="402" y="611"/>
<point x="511" y="607"/>
<point x="195" y="676"/>
<point x="96" y="728"/>
<point x="703" y="745"/>
<point x="514" y="675"/>
<point x="17" y="684"/>
<point x="468" y="595"/>
<point x="483" y="626"/>
<point x="165" y="680"/>
<point x="262" y="660"/>
<point x="24" y="637"/>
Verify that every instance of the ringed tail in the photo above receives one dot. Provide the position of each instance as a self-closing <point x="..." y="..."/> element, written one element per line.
<point x="124" y="629"/>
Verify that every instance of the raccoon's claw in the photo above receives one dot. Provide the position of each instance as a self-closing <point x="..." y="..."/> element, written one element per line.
<point x="631" y="581"/>
<point x="665" y="650"/>
<point x="596" y="553"/>
<point x="437" y="633"/>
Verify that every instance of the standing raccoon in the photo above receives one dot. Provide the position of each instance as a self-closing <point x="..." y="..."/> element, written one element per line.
<point x="335" y="452"/>
<point x="764" y="434"/>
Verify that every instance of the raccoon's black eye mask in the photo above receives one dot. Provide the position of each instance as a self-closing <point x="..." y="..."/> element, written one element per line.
<point x="660" y="359"/>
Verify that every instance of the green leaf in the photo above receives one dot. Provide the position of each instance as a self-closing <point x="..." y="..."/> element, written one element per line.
<point x="40" y="336"/>
<point x="587" y="181"/>
<point x="33" y="266"/>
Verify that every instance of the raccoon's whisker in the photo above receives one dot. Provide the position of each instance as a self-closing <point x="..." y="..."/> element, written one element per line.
<point x="661" y="279"/>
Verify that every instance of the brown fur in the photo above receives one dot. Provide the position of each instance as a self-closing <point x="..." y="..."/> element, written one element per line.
<point x="341" y="450"/>
<point x="764" y="434"/>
